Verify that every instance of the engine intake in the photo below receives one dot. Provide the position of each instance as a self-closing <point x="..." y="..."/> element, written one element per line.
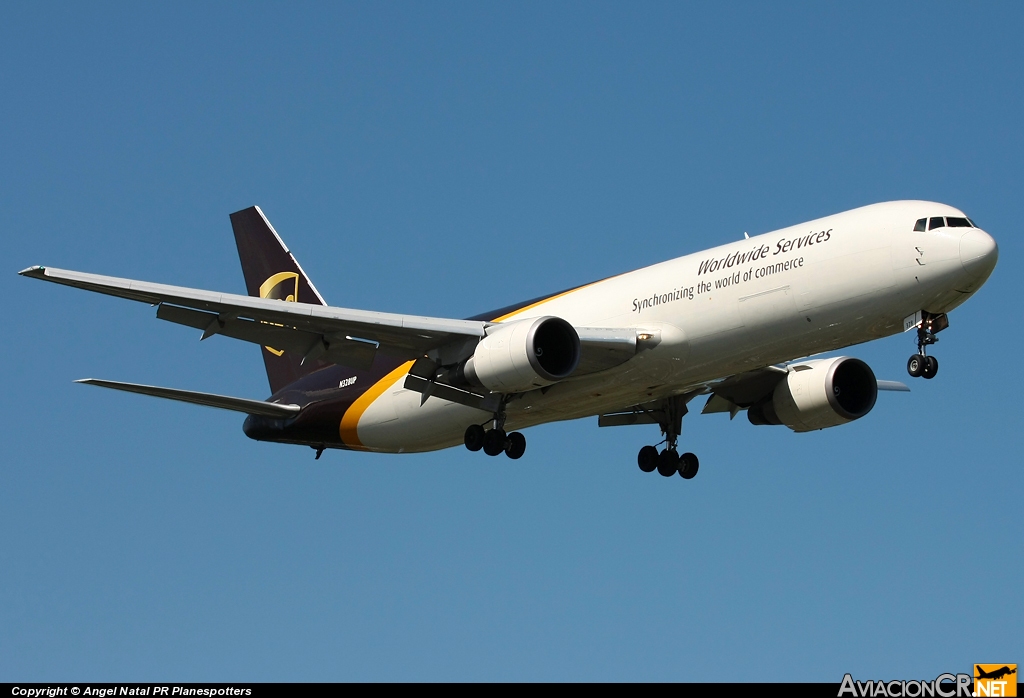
<point x="524" y="355"/>
<point x="819" y="394"/>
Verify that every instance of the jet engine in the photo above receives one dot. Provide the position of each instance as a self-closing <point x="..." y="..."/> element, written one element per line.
<point x="523" y="355"/>
<point x="819" y="394"/>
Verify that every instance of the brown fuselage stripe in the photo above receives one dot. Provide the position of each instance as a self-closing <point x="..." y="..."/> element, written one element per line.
<point x="349" y="427"/>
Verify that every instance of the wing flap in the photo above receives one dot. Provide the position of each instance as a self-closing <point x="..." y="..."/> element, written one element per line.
<point x="625" y="419"/>
<point x="342" y="350"/>
<point x="744" y="389"/>
<point x="224" y="402"/>
<point x="717" y="403"/>
<point x="428" y="388"/>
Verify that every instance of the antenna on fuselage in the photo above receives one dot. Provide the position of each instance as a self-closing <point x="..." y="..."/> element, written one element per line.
<point x="745" y="236"/>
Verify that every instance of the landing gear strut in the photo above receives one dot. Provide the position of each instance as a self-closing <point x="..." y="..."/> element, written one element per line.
<point x="669" y="416"/>
<point x="920" y="364"/>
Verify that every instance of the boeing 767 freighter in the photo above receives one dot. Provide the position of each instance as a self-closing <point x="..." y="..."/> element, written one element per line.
<point x="734" y="323"/>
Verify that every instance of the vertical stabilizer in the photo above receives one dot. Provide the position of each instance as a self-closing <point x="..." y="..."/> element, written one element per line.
<point x="271" y="271"/>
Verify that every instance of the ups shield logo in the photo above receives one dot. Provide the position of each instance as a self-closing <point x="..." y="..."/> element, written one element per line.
<point x="283" y="286"/>
<point x="995" y="680"/>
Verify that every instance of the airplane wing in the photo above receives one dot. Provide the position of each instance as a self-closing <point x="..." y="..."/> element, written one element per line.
<point x="744" y="389"/>
<point x="414" y="333"/>
<point x="730" y="394"/>
<point x="337" y="335"/>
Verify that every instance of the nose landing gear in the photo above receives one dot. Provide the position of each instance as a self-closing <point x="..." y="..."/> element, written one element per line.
<point x="920" y="365"/>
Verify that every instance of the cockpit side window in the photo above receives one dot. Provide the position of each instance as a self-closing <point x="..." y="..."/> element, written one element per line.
<point x="958" y="222"/>
<point x="920" y="226"/>
<point x="973" y="224"/>
<point x="936" y="223"/>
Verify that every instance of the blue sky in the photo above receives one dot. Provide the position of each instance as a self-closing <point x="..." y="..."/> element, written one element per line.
<point x="444" y="159"/>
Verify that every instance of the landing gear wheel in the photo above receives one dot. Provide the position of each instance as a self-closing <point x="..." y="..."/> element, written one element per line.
<point x="494" y="441"/>
<point x="915" y="365"/>
<point x="668" y="463"/>
<point x="931" y="367"/>
<point x="647" y="459"/>
<point x="515" y="445"/>
<point x="474" y="437"/>
<point x="688" y="465"/>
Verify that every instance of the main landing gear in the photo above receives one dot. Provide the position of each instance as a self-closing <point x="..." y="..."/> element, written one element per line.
<point x="495" y="441"/>
<point x="668" y="462"/>
<point x="920" y="365"/>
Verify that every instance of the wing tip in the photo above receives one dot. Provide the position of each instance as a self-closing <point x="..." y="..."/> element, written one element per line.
<point x="36" y="271"/>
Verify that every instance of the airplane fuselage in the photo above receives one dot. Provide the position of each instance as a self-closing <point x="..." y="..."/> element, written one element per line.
<point x="810" y="288"/>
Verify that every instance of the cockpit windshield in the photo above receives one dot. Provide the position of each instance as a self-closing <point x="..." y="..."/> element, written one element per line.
<point x="942" y="222"/>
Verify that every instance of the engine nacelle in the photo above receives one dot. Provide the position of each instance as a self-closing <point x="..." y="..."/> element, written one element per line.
<point x="819" y="394"/>
<point x="524" y="355"/>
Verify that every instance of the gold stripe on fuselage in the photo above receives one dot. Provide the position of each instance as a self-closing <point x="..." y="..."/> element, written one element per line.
<point x="349" y="427"/>
<point x="531" y="306"/>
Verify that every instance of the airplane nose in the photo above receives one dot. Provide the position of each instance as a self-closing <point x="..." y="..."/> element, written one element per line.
<point x="978" y="251"/>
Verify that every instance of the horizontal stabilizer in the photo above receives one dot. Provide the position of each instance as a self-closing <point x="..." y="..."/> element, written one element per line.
<point x="893" y="385"/>
<point x="238" y="404"/>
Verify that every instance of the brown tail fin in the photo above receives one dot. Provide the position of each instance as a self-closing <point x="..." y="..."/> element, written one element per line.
<point x="271" y="271"/>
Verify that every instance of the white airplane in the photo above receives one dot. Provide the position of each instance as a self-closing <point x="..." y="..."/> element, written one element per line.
<point x="733" y="323"/>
